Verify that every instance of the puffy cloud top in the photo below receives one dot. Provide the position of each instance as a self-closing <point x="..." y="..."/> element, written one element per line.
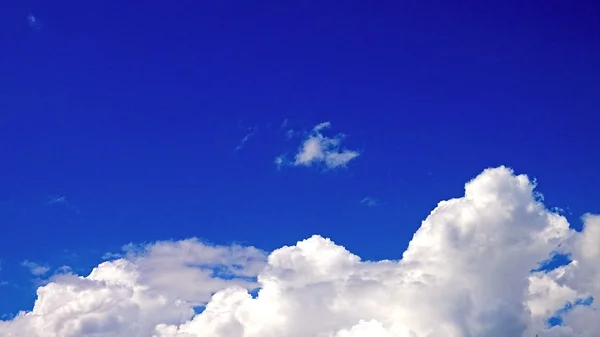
<point x="466" y="273"/>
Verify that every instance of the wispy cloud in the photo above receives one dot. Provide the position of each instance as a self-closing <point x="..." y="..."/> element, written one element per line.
<point x="2" y="282"/>
<point x="62" y="200"/>
<point x="35" y="268"/>
<point x="317" y="149"/>
<point x="250" y="134"/>
<point x="370" y="202"/>
<point x="322" y="126"/>
<point x="57" y="200"/>
<point x="280" y="161"/>
<point x="289" y="134"/>
<point x="33" y="22"/>
<point x="111" y="256"/>
<point x="64" y="270"/>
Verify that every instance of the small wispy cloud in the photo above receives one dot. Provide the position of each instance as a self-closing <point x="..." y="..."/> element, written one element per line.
<point x="288" y="131"/>
<point x="280" y="161"/>
<point x="284" y="124"/>
<point x="57" y="200"/>
<point x="289" y="134"/>
<point x="317" y="149"/>
<point x="2" y="282"/>
<point x="112" y="256"/>
<point x="250" y="134"/>
<point x="64" y="270"/>
<point x="370" y="202"/>
<point x="35" y="268"/>
<point x="322" y="126"/>
<point x="33" y="22"/>
<point x="62" y="200"/>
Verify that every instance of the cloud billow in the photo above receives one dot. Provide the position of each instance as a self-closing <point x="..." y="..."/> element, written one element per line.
<point x="466" y="273"/>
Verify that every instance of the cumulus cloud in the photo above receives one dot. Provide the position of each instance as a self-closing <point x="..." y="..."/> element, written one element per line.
<point x="317" y="149"/>
<point x="154" y="284"/>
<point x="467" y="272"/>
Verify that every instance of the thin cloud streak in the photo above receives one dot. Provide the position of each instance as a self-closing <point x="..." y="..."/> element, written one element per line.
<point x="246" y="138"/>
<point x="62" y="200"/>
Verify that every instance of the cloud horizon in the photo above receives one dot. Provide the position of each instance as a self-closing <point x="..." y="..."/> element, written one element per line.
<point x="470" y="270"/>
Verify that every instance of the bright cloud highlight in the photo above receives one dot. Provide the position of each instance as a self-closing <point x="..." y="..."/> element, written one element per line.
<point x="466" y="273"/>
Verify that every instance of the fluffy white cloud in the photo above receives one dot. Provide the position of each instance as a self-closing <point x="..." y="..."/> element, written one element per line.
<point x="317" y="149"/>
<point x="154" y="284"/>
<point x="466" y="273"/>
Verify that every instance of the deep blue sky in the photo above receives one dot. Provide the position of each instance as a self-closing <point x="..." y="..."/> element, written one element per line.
<point x="132" y="113"/>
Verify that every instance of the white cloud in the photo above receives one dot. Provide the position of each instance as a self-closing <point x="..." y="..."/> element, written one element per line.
<point x="33" y="22"/>
<point x="154" y="284"/>
<point x="250" y="134"/>
<point x="35" y="268"/>
<point x="279" y="161"/>
<point x="466" y="273"/>
<point x="112" y="256"/>
<point x="57" y="200"/>
<point x="369" y="201"/>
<point x="321" y="126"/>
<point x="317" y="149"/>
<point x="62" y="200"/>
<point x="289" y="134"/>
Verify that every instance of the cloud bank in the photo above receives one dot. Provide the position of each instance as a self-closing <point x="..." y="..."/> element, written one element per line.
<point x="466" y="273"/>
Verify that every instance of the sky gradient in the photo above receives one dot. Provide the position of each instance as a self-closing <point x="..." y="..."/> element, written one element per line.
<point x="126" y="123"/>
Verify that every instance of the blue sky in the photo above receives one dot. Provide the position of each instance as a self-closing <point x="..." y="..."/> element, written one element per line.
<point x="120" y="122"/>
